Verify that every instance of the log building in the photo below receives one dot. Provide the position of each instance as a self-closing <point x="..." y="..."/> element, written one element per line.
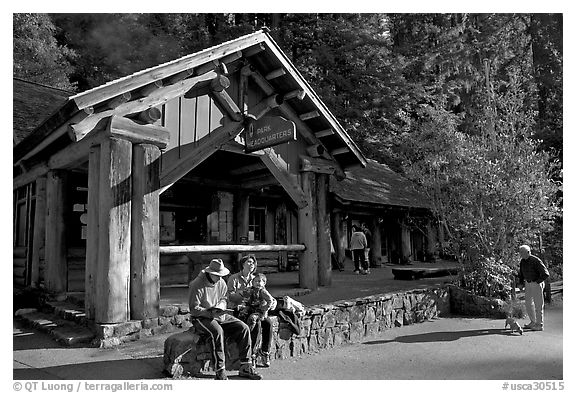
<point x="397" y="215"/>
<point x="139" y="182"/>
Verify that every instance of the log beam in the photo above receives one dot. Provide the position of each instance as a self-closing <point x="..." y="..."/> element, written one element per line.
<point x="275" y="74"/>
<point x="324" y="133"/>
<point x="318" y="165"/>
<point x="149" y="116"/>
<point x="204" y="149"/>
<point x="223" y="248"/>
<point x="300" y="94"/>
<point x="158" y="97"/>
<point x="309" y="115"/>
<point x="121" y="127"/>
<point x="264" y="106"/>
<point x="279" y="170"/>
<point x="145" y="243"/>
<point x="118" y="100"/>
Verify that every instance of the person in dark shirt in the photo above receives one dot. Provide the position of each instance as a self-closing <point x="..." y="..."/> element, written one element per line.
<point x="532" y="275"/>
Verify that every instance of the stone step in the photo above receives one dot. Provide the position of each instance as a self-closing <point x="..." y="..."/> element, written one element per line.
<point x="64" y="331"/>
<point x="67" y="311"/>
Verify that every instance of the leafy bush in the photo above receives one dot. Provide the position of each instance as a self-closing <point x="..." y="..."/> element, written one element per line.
<point x="487" y="277"/>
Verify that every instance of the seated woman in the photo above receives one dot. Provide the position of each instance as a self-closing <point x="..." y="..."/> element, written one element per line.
<point x="239" y="291"/>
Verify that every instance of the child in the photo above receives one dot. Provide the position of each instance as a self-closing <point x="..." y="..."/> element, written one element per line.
<point x="254" y="310"/>
<point x="257" y="301"/>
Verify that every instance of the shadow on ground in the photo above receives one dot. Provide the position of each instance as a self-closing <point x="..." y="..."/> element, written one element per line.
<point x="443" y="336"/>
<point x="104" y="370"/>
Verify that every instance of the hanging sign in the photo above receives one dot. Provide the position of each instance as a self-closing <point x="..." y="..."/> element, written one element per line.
<point x="269" y="131"/>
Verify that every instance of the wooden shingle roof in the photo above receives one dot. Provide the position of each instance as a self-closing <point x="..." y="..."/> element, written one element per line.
<point x="377" y="185"/>
<point x="32" y="104"/>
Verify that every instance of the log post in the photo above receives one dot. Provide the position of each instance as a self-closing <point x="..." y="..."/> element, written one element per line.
<point x="336" y="224"/>
<point x="242" y="217"/>
<point x="307" y="234"/>
<point x="406" y="250"/>
<point x="55" y="250"/>
<point x="113" y="276"/>
<point x="39" y="235"/>
<point x="376" y="248"/>
<point x="93" y="232"/>
<point x="323" y="217"/>
<point x="145" y="242"/>
<point x="280" y="235"/>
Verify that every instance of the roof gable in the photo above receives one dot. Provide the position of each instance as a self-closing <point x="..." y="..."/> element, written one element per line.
<point x="32" y="103"/>
<point x="257" y="49"/>
<point x="377" y="184"/>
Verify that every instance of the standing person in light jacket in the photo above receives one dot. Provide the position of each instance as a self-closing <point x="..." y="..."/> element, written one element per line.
<point x="532" y="275"/>
<point x="207" y="299"/>
<point x="358" y="244"/>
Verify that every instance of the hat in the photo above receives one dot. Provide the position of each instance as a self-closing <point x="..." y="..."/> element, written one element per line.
<point x="217" y="268"/>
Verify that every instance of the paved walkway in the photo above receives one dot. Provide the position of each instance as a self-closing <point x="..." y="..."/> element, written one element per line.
<point x="446" y="348"/>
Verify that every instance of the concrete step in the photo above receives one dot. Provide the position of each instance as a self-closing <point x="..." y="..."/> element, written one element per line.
<point x="65" y="331"/>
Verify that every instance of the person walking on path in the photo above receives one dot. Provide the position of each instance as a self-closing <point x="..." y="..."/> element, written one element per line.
<point x="239" y="285"/>
<point x="207" y="299"/>
<point x="532" y="275"/>
<point x="368" y="235"/>
<point x="358" y="244"/>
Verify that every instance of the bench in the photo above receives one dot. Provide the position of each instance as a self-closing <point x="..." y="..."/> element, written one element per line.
<point x="416" y="273"/>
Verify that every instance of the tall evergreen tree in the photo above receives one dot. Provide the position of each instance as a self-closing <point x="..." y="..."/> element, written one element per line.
<point x="37" y="55"/>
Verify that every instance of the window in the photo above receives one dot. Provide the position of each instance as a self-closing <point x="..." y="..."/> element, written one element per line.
<point x="257" y="224"/>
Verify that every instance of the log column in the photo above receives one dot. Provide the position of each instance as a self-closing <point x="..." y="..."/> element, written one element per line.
<point x="93" y="232"/>
<point x="39" y="235"/>
<point x="113" y="275"/>
<point x="242" y="216"/>
<point x="323" y="219"/>
<point x="307" y="234"/>
<point x="406" y="250"/>
<point x="280" y="233"/>
<point x="376" y="248"/>
<point x="337" y="225"/>
<point x="145" y="252"/>
<point x="55" y="250"/>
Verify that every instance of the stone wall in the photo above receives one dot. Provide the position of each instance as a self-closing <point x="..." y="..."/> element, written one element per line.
<point x="322" y="327"/>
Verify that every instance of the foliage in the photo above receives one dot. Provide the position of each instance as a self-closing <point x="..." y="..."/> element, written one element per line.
<point x="492" y="190"/>
<point x="469" y="106"/>
<point x="37" y="55"/>
<point x="487" y="277"/>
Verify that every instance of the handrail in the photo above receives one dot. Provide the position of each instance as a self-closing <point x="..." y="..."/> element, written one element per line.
<point x="214" y="248"/>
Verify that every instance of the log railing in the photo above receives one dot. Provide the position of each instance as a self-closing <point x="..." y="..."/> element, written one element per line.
<point x="224" y="248"/>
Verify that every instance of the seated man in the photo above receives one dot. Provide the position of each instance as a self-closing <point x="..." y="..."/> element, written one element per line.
<point x="207" y="299"/>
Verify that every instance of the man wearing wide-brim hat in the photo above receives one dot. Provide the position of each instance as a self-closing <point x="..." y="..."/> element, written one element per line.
<point x="207" y="300"/>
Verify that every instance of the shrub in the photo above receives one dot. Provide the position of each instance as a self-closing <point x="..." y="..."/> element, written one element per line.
<point x="487" y="277"/>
